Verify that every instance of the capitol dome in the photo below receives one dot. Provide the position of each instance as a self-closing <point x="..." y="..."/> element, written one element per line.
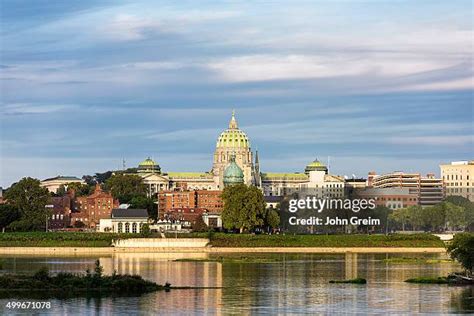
<point x="148" y="166"/>
<point x="316" y="165"/>
<point x="233" y="174"/>
<point x="233" y="137"/>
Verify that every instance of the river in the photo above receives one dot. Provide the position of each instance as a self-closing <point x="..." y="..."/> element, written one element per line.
<point x="262" y="283"/>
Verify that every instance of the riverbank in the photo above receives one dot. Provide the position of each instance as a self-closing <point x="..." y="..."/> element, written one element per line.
<point x="61" y="251"/>
<point x="222" y="240"/>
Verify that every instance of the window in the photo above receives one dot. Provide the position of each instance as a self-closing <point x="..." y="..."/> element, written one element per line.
<point x="134" y="228"/>
<point x="127" y="227"/>
<point x="119" y="227"/>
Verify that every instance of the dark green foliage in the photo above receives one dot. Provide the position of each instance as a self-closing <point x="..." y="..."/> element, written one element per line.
<point x="145" y="231"/>
<point x="60" y="239"/>
<point x="351" y="281"/>
<point x="147" y="203"/>
<point x="428" y="280"/>
<point x="125" y="187"/>
<point x="461" y="249"/>
<point x="8" y="214"/>
<point x="72" y="283"/>
<point x="244" y="207"/>
<point x="30" y="199"/>
<point x="342" y="240"/>
<point x="199" y="225"/>
<point x="80" y="189"/>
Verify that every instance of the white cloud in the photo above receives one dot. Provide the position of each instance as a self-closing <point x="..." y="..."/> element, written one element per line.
<point x="275" y="67"/>
<point x="27" y="108"/>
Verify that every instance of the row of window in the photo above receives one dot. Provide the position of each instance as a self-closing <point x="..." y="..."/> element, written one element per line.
<point x="454" y="177"/>
<point x="125" y="228"/>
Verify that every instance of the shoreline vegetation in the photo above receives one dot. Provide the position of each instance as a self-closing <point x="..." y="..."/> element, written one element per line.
<point x="64" y="284"/>
<point x="85" y="239"/>
<point x="350" y="281"/>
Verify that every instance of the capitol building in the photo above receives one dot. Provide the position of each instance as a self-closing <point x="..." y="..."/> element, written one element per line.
<point x="235" y="162"/>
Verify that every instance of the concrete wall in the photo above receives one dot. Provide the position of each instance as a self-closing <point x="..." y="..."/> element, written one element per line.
<point x="161" y="243"/>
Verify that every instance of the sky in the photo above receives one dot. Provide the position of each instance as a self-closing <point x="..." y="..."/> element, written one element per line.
<point x="374" y="85"/>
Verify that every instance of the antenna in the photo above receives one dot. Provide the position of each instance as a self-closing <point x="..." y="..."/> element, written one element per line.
<point x="123" y="164"/>
<point x="329" y="162"/>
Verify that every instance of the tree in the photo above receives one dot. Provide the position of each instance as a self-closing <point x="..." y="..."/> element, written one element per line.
<point x="461" y="249"/>
<point x="125" y="187"/>
<point x="434" y="217"/>
<point x="30" y="199"/>
<point x="145" y="230"/>
<point x="400" y="216"/>
<point x="244" y="207"/>
<point x="272" y="219"/>
<point x="466" y="204"/>
<point x="8" y="214"/>
<point x="80" y="189"/>
<point x="455" y="216"/>
<point x="199" y="225"/>
<point x="147" y="203"/>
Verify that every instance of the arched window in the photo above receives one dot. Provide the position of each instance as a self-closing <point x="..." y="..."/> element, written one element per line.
<point x="127" y="227"/>
<point x="134" y="228"/>
<point x="120" y="227"/>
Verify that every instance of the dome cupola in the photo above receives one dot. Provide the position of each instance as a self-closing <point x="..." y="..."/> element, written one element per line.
<point x="233" y="174"/>
<point x="233" y="137"/>
<point x="316" y="165"/>
<point x="148" y="166"/>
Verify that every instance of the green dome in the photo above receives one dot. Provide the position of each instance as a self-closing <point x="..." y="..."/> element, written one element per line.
<point x="233" y="174"/>
<point x="233" y="137"/>
<point x="148" y="165"/>
<point x="316" y="165"/>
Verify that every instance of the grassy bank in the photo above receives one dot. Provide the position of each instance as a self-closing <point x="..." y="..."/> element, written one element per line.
<point x="396" y="240"/>
<point x="82" y="239"/>
<point x="60" y="239"/>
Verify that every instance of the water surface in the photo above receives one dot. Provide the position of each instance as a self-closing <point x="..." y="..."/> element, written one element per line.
<point x="276" y="283"/>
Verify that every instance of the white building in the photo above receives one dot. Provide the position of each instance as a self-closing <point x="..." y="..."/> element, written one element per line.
<point x="124" y="221"/>
<point x="458" y="177"/>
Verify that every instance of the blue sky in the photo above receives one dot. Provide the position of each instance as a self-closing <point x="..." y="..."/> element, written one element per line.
<point x="375" y="85"/>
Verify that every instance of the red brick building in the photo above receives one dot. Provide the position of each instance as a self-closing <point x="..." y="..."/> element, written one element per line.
<point x="89" y="210"/>
<point x="60" y="208"/>
<point x="210" y="200"/>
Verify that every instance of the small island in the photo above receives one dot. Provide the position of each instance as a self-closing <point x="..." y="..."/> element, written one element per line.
<point x="65" y="284"/>
<point x="350" y="281"/>
<point x="461" y="249"/>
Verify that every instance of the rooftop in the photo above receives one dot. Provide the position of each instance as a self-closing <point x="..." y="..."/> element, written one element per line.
<point x="129" y="213"/>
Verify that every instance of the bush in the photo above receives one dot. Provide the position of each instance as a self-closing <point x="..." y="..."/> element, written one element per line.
<point x="461" y="249"/>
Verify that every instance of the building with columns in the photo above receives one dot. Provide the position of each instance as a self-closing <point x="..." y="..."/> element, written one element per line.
<point x="233" y="150"/>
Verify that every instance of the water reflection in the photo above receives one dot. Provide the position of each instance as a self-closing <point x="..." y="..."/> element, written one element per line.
<point x="285" y="283"/>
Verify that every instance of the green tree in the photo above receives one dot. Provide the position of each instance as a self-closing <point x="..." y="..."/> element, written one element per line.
<point x="244" y="207"/>
<point x="401" y="217"/>
<point x="416" y="217"/>
<point x="466" y="204"/>
<point x="272" y="219"/>
<point x="8" y="214"/>
<point x="461" y="248"/>
<point x="145" y="230"/>
<point x="455" y="216"/>
<point x="80" y="189"/>
<point x="199" y="225"/>
<point x="434" y="217"/>
<point x="30" y="199"/>
<point x="125" y="187"/>
<point x="147" y="203"/>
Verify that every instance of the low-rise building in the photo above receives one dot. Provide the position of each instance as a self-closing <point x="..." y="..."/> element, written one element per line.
<point x="89" y="210"/>
<point x="393" y="198"/>
<point x="124" y="220"/>
<point x="429" y="189"/>
<point x="53" y="184"/>
<point x="210" y="200"/>
<point x="458" y="177"/>
<point x="60" y="212"/>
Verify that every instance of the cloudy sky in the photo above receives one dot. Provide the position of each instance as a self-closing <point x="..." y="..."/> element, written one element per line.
<point x="375" y="85"/>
